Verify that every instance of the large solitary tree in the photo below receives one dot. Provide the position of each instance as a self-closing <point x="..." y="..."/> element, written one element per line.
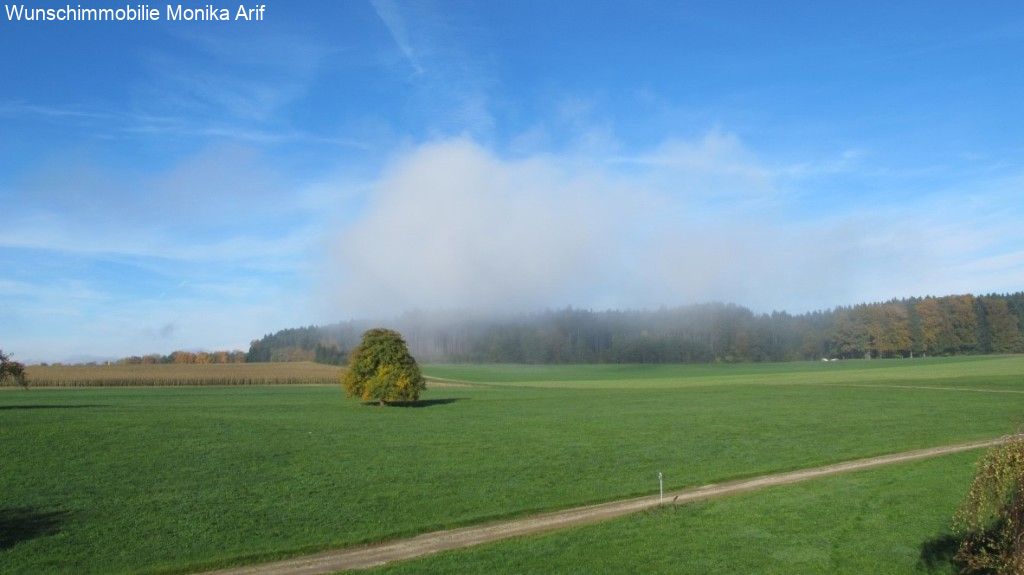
<point x="12" y="370"/>
<point x="381" y="369"/>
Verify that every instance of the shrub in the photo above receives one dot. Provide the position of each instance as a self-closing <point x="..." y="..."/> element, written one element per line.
<point x="12" y="370"/>
<point x="990" y="522"/>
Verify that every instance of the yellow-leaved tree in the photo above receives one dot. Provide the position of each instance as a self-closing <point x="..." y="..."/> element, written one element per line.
<point x="381" y="369"/>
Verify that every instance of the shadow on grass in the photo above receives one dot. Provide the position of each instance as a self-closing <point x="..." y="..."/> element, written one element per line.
<point x="75" y="406"/>
<point x="19" y="524"/>
<point x="420" y="402"/>
<point x="937" y="553"/>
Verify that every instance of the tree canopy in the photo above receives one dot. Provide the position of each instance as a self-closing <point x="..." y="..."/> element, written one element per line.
<point x="381" y="369"/>
<point x="12" y="370"/>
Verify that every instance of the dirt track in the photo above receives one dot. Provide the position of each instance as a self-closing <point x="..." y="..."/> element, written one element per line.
<point x="378" y="554"/>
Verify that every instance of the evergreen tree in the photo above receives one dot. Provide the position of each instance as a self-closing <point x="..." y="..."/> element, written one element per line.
<point x="1003" y="331"/>
<point x="697" y="333"/>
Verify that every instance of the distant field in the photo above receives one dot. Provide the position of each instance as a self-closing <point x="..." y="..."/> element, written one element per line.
<point x="182" y="374"/>
<point x="171" y="479"/>
<point x="945" y="371"/>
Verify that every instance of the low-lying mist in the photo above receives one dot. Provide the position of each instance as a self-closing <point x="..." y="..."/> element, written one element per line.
<point x="451" y="225"/>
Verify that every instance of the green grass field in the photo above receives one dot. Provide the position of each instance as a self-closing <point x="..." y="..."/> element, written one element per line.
<point x="176" y="479"/>
<point x="975" y="371"/>
<point x="892" y="520"/>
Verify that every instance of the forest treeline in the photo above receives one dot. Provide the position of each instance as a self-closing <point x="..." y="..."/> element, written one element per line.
<point x="950" y="325"/>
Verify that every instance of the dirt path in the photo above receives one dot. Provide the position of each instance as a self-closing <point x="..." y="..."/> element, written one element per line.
<point x="928" y="387"/>
<point x="442" y="382"/>
<point x="378" y="554"/>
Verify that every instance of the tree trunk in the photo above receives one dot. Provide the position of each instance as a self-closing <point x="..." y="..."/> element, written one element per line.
<point x="380" y="402"/>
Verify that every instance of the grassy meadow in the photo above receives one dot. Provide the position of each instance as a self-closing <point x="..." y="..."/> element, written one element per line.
<point x="890" y="520"/>
<point x="172" y="479"/>
<point x="984" y="372"/>
<point x="170" y="374"/>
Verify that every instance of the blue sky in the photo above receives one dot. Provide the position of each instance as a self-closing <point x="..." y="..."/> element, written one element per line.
<point x="195" y="185"/>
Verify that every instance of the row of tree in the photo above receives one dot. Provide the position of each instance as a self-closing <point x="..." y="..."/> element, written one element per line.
<point x="200" y="357"/>
<point x="960" y="324"/>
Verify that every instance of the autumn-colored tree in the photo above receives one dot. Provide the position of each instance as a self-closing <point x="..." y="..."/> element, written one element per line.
<point x="965" y="321"/>
<point x="381" y="369"/>
<point x="1003" y="332"/>
<point x="888" y="330"/>
<point x="990" y="522"/>
<point x="936" y="327"/>
<point x="914" y="326"/>
<point x="851" y="332"/>
<point x="12" y="370"/>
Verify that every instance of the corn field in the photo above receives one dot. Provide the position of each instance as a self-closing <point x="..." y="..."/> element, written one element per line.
<point x="280" y="373"/>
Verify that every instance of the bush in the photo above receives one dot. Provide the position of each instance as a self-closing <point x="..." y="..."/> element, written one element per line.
<point x="381" y="369"/>
<point x="12" y="370"/>
<point x="990" y="522"/>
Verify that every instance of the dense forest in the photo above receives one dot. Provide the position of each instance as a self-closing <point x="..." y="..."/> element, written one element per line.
<point x="959" y="324"/>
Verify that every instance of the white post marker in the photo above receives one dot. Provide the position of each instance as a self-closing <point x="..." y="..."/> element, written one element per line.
<point x="661" y="489"/>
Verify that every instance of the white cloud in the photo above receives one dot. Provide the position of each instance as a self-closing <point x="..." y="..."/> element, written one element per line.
<point x="452" y="225"/>
<point x="223" y="247"/>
